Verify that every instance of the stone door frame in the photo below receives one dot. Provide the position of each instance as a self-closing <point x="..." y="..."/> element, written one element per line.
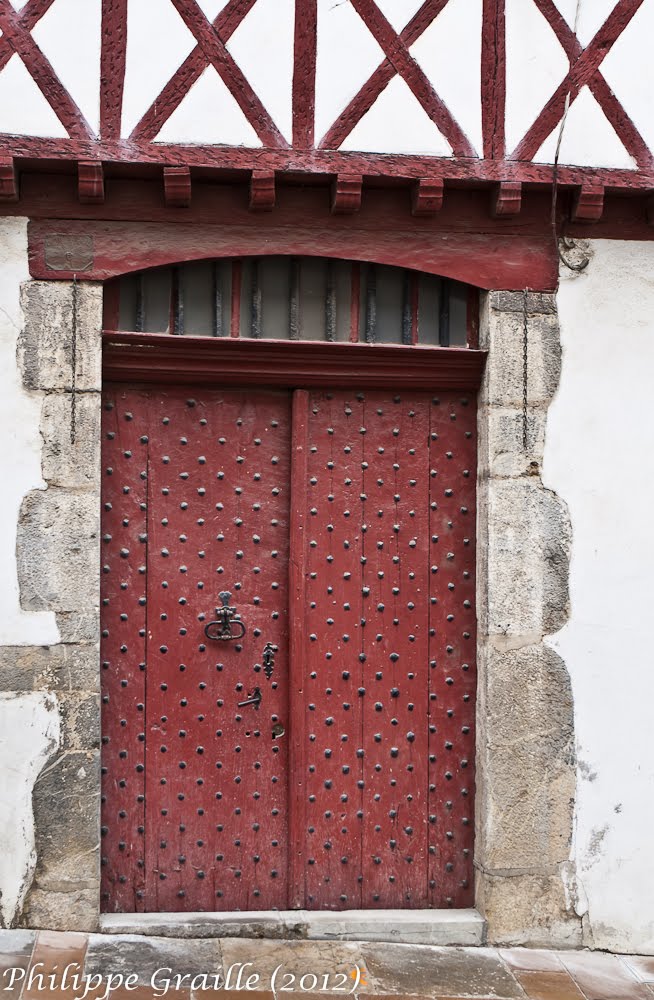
<point x="525" y="742"/>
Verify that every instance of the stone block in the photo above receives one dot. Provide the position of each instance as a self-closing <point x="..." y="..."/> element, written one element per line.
<point x="502" y="337"/>
<point x="49" y="668"/>
<point x="58" y="551"/>
<point x="145" y="955"/>
<point x="451" y="972"/>
<point x="501" y="450"/>
<point x="79" y="626"/>
<point x="527" y="559"/>
<point x="527" y="760"/>
<point x="80" y="721"/>
<point x="45" y="345"/>
<point x="513" y="302"/>
<point x="65" y="892"/>
<point x="64" y="463"/>
<point x="528" y="910"/>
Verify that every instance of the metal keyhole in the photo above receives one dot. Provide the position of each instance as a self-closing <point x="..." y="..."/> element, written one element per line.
<point x="277" y="731"/>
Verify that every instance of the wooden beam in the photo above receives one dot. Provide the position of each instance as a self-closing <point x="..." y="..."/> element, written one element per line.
<point x="507" y="199"/>
<point x="177" y="186"/>
<point x="588" y="203"/>
<point x="346" y="194"/>
<point x="8" y="179"/>
<point x="262" y="191"/>
<point x="427" y="196"/>
<point x="90" y="182"/>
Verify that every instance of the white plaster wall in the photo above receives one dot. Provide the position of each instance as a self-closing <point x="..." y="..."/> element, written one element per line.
<point x="29" y="735"/>
<point x="20" y="444"/>
<point x="598" y="458"/>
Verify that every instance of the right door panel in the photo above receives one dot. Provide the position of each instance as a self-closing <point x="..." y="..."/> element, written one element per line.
<point x="383" y="812"/>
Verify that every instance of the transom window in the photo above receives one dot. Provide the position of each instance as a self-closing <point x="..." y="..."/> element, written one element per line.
<point x="299" y="298"/>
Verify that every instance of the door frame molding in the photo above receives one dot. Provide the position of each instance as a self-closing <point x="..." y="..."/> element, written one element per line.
<point x="164" y="359"/>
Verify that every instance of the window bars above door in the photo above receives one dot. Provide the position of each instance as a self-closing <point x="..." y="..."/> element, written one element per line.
<point x="299" y="298"/>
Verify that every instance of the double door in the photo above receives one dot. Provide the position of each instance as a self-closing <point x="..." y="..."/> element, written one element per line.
<point x="288" y="649"/>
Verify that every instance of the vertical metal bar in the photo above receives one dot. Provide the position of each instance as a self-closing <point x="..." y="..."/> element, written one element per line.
<point x="255" y="302"/>
<point x="297" y="648"/>
<point x="139" y="318"/>
<point x="371" y="304"/>
<point x="406" y="308"/>
<point x="178" y="302"/>
<point x="294" y="301"/>
<point x="217" y="299"/>
<point x="235" y="318"/>
<point x="330" y="304"/>
<point x="355" y="301"/>
<point x="444" y="313"/>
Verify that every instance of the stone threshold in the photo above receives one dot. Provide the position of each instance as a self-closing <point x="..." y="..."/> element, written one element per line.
<point x="435" y="927"/>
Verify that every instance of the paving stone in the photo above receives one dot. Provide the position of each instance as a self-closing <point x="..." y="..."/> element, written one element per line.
<point x="56" y="952"/>
<point x="549" y="985"/>
<point x="146" y="955"/>
<point x="531" y="959"/>
<point x="603" y="977"/>
<point x="641" y="965"/>
<point x="444" y="972"/>
<point x="15" y="951"/>
<point x="297" y="959"/>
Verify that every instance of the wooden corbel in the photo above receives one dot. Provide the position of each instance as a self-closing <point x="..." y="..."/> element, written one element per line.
<point x="507" y="199"/>
<point x="90" y="182"/>
<point x="8" y="179"/>
<point x="346" y="194"/>
<point x="427" y="196"/>
<point x="177" y="186"/>
<point x="588" y="203"/>
<point x="262" y="191"/>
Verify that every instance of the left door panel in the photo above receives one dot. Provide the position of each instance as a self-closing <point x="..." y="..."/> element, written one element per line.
<point x="195" y="787"/>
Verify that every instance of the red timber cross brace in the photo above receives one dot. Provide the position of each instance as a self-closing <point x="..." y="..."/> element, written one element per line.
<point x="322" y="757"/>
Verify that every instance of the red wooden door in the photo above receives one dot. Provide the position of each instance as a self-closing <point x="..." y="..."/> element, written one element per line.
<point x="363" y="763"/>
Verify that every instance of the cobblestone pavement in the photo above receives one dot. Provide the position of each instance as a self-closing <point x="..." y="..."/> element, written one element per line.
<point x="35" y="966"/>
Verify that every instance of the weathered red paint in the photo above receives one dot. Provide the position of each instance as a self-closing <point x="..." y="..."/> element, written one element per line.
<point x="582" y="70"/>
<point x="368" y="792"/>
<point x="346" y="194"/>
<point x="90" y="182"/>
<point x="112" y="67"/>
<point x="157" y="357"/>
<point x="304" y="73"/>
<point x="427" y="197"/>
<point x="588" y="203"/>
<point x="262" y="191"/>
<point x="493" y="79"/>
<point x="177" y="187"/>
<point x="507" y="199"/>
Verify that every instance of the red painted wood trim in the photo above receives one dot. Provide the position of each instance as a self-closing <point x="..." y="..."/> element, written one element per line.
<point x="8" y="179"/>
<point x="220" y="158"/>
<point x="262" y="191"/>
<point x="160" y="357"/>
<point x="472" y="318"/>
<point x="397" y="53"/>
<point x="414" y="293"/>
<point x="177" y="186"/>
<point x="507" y="199"/>
<point x="42" y="73"/>
<point x="588" y="203"/>
<point x="493" y="78"/>
<point x="235" y="310"/>
<point x="489" y="259"/>
<point x="112" y="67"/>
<point x="613" y="109"/>
<point x="90" y="182"/>
<point x="111" y="305"/>
<point x="188" y="73"/>
<point x="578" y="76"/>
<point x="297" y="646"/>
<point x="427" y="196"/>
<point x="380" y="79"/>
<point x="346" y="194"/>
<point x="216" y="53"/>
<point x="304" y="73"/>
<point x="355" y="303"/>
<point x="29" y="16"/>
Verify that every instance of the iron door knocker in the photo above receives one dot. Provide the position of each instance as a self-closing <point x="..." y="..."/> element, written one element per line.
<point x="227" y="626"/>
